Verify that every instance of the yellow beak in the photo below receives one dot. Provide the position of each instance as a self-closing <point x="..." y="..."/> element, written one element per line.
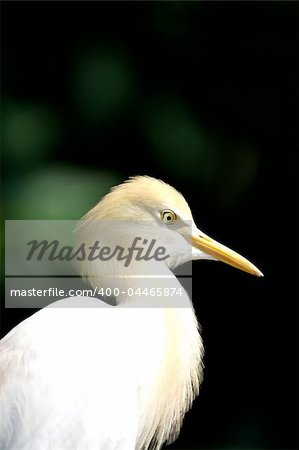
<point x="224" y="254"/>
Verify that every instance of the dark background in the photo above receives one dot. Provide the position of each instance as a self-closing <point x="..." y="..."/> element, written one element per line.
<point x="202" y="95"/>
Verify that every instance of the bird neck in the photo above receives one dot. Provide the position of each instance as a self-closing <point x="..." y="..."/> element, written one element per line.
<point x="148" y="285"/>
<point x="168" y="347"/>
<point x="170" y="356"/>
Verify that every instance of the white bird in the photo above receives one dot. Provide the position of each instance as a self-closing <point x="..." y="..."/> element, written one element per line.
<point x="83" y="375"/>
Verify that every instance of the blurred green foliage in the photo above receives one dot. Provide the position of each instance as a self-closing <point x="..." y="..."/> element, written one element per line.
<point x="58" y="192"/>
<point x="30" y="133"/>
<point x="102" y="92"/>
<point x="102" y="83"/>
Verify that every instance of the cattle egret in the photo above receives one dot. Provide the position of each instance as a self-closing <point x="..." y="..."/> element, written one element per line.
<point x="85" y="375"/>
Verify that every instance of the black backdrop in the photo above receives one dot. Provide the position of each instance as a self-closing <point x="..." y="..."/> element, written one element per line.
<point x="234" y="66"/>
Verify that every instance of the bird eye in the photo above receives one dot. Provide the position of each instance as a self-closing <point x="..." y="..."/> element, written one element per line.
<point x="168" y="216"/>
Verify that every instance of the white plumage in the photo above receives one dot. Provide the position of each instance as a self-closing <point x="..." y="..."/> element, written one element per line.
<point x="82" y="375"/>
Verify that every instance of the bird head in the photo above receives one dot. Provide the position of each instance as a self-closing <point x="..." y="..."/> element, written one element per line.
<point x="153" y="210"/>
